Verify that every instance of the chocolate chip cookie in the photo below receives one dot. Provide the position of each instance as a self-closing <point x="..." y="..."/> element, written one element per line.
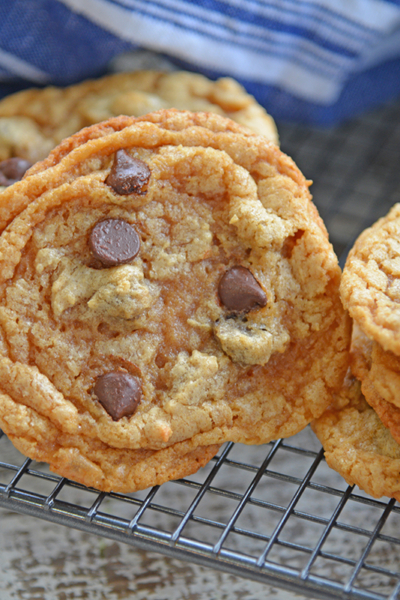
<point x="165" y="283"/>
<point x="92" y="462"/>
<point x="34" y="121"/>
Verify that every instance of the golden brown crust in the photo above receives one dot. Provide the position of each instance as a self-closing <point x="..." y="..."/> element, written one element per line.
<point x="218" y="196"/>
<point x="361" y="440"/>
<point x="94" y="463"/>
<point x="34" y="121"/>
<point x="370" y="287"/>
<point x="359" y="447"/>
<point x="378" y="370"/>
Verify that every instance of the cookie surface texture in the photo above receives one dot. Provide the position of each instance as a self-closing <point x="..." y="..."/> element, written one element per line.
<point x="358" y="446"/>
<point x="92" y="462"/>
<point x="370" y="286"/>
<point x="195" y="365"/>
<point x="378" y="370"/>
<point x="34" y="121"/>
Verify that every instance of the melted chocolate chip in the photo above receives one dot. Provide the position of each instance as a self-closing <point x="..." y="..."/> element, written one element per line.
<point x="119" y="393"/>
<point x="128" y="175"/>
<point x="114" y="242"/>
<point x="239" y="291"/>
<point x="12" y="170"/>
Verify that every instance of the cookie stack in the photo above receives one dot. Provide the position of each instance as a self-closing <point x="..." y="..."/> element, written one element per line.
<point x="166" y="285"/>
<point x="362" y="439"/>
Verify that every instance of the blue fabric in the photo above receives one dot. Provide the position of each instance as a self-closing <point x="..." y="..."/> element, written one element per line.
<point x="314" y="61"/>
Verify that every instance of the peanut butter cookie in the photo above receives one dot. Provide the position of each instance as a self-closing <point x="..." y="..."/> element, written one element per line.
<point x="164" y="280"/>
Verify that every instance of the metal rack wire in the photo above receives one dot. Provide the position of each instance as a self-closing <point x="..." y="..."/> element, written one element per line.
<point x="274" y="513"/>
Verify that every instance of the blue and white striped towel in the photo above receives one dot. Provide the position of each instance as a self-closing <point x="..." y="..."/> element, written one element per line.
<point x="313" y="61"/>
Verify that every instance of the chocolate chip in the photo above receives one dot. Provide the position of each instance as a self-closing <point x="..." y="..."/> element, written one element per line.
<point x="114" y="242"/>
<point x="239" y="291"/>
<point x="12" y="170"/>
<point x="128" y="175"/>
<point x="119" y="393"/>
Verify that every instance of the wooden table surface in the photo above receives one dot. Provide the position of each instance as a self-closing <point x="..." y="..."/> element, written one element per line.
<point x="40" y="560"/>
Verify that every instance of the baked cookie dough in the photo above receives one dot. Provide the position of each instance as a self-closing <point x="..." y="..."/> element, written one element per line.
<point x="379" y="373"/>
<point x="92" y="462"/>
<point x="178" y="260"/>
<point x="34" y="121"/>
<point x="361" y="440"/>
<point x="370" y="287"/>
<point x="358" y="446"/>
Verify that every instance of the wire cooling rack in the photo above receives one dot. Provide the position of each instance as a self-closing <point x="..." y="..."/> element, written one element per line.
<point x="274" y="513"/>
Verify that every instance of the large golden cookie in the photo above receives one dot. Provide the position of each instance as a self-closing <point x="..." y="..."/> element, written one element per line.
<point x="34" y="121"/>
<point x="358" y="446"/>
<point x="370" y="287"/>
<point x="176" y="258"/>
